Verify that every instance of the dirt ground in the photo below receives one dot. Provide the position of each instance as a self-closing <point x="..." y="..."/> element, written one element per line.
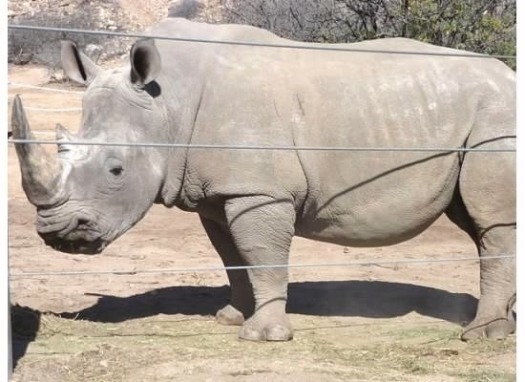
<point x="380" y="322"/>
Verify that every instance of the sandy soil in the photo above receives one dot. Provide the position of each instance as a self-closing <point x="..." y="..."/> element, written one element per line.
<point x="379" y="322"/>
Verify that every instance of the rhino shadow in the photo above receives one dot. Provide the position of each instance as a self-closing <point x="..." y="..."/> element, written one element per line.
<point x="373" y="299"/>
<point x="25" y="323"/>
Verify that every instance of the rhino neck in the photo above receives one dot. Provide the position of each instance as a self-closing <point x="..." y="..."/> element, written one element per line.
<point x="183" y="83"/>
<point x="182" y="115"/>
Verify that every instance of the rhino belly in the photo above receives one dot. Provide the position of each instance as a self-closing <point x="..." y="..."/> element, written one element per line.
<point x="372" y="229"/>
<point x="368" y="206"/>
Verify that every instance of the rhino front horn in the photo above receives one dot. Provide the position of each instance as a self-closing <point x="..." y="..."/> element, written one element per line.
<point x="40" y="171"/>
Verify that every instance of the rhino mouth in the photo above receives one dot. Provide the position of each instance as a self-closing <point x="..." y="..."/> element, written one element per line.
<point x="79" y="246"/>
<point x="70" y="234"/>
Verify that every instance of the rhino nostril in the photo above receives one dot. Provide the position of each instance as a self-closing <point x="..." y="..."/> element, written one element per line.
<point x="83" y="222"/>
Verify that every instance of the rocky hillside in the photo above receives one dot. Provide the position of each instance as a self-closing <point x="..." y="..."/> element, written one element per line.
<point x="112" y="15"/>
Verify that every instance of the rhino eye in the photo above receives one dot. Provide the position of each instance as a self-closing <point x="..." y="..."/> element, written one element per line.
<point x="117" y="170"/>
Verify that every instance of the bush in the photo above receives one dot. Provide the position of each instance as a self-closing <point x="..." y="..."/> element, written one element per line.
<point x="483" y="26"/>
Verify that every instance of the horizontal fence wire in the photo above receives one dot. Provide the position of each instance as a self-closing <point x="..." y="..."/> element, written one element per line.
<point x="265" y="147"/>
<point x="266" y="266"/>
<point x="46" y="109"/>
<point x="230" y="147"/>
<point x="298" y="46"/>
<point x="43" y="88"/>
<point x="52" y="110"/>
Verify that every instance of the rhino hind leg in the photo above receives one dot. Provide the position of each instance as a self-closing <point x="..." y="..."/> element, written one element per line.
<point x="262" y="229"/>
<point x="487" y="188"/>
<point x="494" y="318"/>
<point x="241" y="302"/>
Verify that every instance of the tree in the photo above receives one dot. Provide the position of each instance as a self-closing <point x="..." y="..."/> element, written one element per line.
<point x="484" y="26"/>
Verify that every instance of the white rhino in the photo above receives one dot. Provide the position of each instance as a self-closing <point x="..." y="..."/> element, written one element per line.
<point x="251" y="203"/>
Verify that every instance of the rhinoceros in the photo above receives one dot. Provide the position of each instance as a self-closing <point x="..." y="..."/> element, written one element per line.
<point x="425" y="109"/>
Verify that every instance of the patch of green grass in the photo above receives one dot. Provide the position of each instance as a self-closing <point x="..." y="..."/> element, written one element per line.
<point x="486" y="376"/>
<point x="424" y="333"/>
<point x="415" y="366"/>
<point x="492" y="346"/>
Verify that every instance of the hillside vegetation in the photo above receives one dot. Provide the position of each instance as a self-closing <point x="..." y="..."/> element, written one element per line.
<point x="483" y="26"/>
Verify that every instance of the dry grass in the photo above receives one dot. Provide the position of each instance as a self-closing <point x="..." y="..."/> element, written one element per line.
<point x="167" y="348"/>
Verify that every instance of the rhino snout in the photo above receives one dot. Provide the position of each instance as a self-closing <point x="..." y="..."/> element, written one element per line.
<point x="74" y="235"/>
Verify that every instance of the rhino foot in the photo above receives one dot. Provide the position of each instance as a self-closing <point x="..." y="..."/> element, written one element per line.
<point x="495" y="329"/>
<point x="491" y="325"/>
<point x="229" y="316"/>
<point x="255" y="329"/>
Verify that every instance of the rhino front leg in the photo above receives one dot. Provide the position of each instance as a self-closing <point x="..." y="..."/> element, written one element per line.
<point x="262" y="229"/>
<point x="241" y="302"/>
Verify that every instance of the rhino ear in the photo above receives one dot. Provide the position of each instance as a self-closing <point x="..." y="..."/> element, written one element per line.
<point x="145" y="62"/>
<point x="76" y="64"/>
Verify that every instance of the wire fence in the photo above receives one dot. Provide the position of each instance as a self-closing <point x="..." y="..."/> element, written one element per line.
<point x="265" y="147"/>
<point x="43" y="274"/>
<point x="43" y="88"/>
<point x="338" y="48"/>
<point x="47" y="89"/>
<point x="232" y="147"/>
<point x="265" y="266"/>
<point x="51" y="110"/>
<point x="298" y="46"/>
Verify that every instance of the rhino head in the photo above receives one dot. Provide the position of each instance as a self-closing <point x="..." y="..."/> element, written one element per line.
<point x="88" y="195"/>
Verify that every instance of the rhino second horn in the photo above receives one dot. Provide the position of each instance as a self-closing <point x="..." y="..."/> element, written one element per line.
<point x="62" y="133"/>
<point x="40" y="171"/>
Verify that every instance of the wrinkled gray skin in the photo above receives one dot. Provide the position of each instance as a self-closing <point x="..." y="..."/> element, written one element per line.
<point x="251" y="203"/>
